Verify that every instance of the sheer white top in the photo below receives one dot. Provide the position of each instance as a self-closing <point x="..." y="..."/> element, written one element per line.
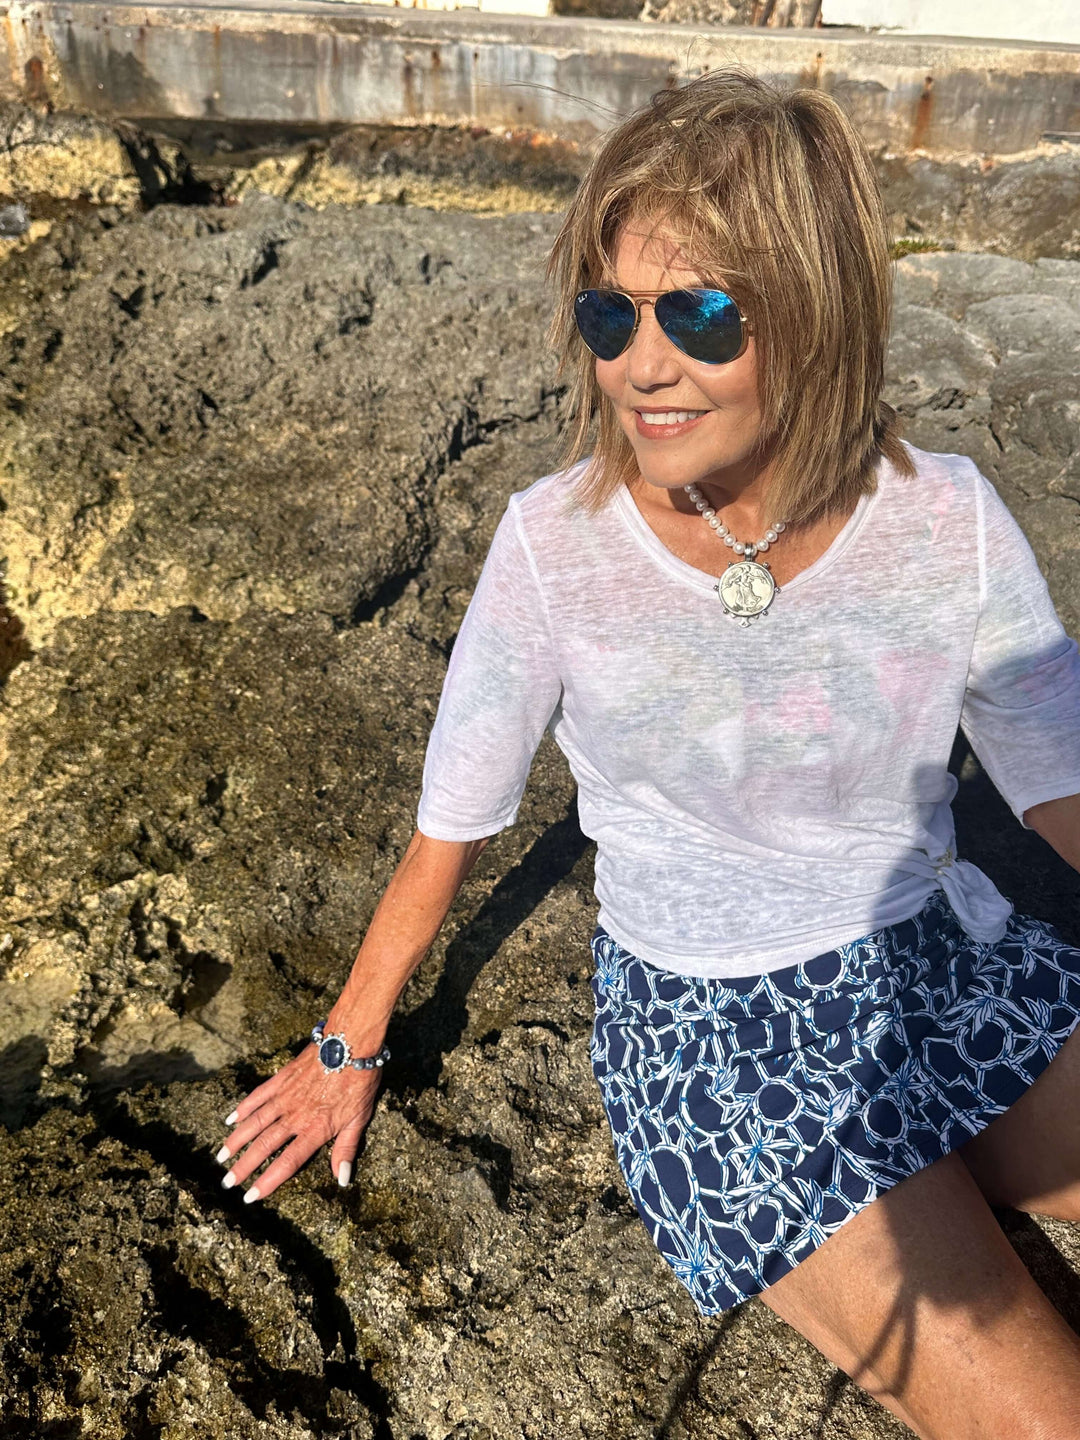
<point x="759" y="795"/>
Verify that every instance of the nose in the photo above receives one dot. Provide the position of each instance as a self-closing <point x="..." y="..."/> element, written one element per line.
<point x="651" y="359"/>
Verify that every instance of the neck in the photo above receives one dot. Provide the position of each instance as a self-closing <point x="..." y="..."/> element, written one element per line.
<point x="737" y="497"/>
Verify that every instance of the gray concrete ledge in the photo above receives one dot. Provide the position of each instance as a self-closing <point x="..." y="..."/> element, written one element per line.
<point x="337" y="63"/>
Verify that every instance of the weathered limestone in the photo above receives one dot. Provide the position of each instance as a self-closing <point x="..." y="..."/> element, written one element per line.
<point x="252" y="459"/>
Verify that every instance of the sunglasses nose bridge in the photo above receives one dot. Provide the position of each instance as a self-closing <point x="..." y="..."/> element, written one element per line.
<point x="649" y="350"/>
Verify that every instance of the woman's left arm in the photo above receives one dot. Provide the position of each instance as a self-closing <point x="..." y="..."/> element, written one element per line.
<point x="1058" y="822"/>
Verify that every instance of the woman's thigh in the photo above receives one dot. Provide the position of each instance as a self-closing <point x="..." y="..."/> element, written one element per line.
<point x="1029" y="1157"/>
<point x="922" y="1300"/>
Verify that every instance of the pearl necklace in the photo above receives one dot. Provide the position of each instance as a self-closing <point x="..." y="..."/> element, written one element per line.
<point x="746" y="589"/>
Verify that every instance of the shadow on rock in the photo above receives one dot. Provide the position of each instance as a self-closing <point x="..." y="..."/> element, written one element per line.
<point x="21" y="1064"/>
<point x="436" y="1026"/>
<point x="218" y="1327"/>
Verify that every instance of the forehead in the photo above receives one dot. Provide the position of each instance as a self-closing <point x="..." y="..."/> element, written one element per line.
<point x="646" y="255"/>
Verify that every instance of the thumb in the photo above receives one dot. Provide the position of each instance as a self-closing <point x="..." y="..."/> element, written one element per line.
<point x="344" y="1151"/>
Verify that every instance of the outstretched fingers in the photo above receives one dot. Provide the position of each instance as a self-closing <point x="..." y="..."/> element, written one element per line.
<point x="264" y="1143"/>
<point x="285" y="1166"/>
<point x="247" y="1130"/>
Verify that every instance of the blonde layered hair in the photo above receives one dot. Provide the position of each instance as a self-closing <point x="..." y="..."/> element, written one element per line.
<point x="771" y="195"/>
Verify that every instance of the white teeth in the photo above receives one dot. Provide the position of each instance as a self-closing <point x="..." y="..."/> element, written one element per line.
<point x="670" y="417"/>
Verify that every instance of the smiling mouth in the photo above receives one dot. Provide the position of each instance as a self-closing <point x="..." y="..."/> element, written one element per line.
<point x="669" y="417"/>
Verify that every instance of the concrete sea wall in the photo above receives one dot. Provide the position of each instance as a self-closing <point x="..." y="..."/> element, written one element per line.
<point x="332" y="64"/>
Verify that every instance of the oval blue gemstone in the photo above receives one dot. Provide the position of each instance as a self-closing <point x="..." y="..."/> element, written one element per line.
<point x="332" y="1053"/>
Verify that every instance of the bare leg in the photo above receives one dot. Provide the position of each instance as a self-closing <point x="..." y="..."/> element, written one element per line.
<point x="1029" y="1157"/>
<point x="921" y="1299"/>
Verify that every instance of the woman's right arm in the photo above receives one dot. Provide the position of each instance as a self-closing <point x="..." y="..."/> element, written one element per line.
<point x="303" y="1107"/>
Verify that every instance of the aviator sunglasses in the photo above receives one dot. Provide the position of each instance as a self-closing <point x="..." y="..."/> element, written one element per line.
<point x="706" y="325"/>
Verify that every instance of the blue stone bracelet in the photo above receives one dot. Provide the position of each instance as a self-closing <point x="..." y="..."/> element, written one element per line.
<point x="335" y="1055"/>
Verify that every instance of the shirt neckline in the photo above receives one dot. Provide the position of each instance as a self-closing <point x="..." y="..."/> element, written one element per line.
<point x="691" y="575"/>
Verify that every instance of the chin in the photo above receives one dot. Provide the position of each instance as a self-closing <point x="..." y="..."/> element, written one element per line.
<point x="673" y="471"/>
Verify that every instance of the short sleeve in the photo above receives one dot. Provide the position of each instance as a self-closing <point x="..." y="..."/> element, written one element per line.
<point x="501" y="689"/>
<point x="1021" y="710"/>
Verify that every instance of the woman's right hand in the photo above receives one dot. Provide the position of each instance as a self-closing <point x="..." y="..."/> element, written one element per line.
<point x="301" y="1107"/>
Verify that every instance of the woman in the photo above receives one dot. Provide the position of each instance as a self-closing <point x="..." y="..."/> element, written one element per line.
<point x="753" y="620"/>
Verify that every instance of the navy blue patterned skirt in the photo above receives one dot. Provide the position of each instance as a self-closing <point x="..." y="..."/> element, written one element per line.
<point x="753" y="1117"/>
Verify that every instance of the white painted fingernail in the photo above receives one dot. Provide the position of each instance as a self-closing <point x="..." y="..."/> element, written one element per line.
<point x="232" y="1119"/>
<point x="222" y="1155"/>
<point x="229" y="1181"/>
<point x="344" y="1172"/>
<point x="252" y="1194"/>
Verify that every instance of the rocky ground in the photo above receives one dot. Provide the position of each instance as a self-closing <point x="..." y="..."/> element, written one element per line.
<point x="251" y="458"/>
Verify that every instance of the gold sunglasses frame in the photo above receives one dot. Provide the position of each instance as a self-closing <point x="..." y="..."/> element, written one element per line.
<point x="651" y="297"/>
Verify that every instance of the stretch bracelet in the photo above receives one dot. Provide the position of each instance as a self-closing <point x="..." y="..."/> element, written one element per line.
<point x="335" y="1055"/>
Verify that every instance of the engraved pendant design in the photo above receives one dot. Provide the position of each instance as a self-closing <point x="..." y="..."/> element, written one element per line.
<point x="746" y="590"/>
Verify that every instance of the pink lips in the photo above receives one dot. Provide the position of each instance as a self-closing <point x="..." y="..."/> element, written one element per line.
<point x="665" y="432"/>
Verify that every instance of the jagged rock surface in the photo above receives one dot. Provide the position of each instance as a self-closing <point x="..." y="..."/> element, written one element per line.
<point x="252" y="459"/>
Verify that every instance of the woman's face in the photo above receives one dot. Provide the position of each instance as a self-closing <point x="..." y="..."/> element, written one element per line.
<point x="716" y="442"/>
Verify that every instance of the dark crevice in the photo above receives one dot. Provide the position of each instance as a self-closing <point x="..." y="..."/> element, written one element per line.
<point x="15" y="1428"/>
<point x="494" y="1159"/>
<point x="267" y="262"/>
<point x="225" y="1334"/>
<point x="206" y="407"/>
<point x="468" y="431"/>
<point x="310" y="1274"/>
<point x="366" y="607"/>
<point x="204" y="975"/>
<point x="14" y="646"/>
<point x="214" y="792"/>
<point x="162" y="183"/>
<point x="131" y="304"/>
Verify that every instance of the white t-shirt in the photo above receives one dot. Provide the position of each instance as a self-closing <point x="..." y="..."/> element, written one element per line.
<point x="761" y="794"/>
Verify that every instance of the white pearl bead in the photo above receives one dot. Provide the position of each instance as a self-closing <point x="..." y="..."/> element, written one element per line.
<point x="714" y="522"/>
<point x="721" y="529"/>
<point x="701" y="505"/>
<point x="779" y="526"/>
<point x="770" y="535"/>
<point x="763" y="544"/>
<point x="729" y="540"/>
<point x="740" y="548"/>
<point x="708" y="513"/>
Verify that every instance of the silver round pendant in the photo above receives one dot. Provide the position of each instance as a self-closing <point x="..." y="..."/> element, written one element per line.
<point x="746" y="590"/>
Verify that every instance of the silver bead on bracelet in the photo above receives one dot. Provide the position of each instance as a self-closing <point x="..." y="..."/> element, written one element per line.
<point x="335" y="1055"/>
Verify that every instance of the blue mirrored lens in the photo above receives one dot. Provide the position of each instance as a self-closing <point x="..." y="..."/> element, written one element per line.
<point x="704" y="324"/>
<point x="605" y="320"/>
